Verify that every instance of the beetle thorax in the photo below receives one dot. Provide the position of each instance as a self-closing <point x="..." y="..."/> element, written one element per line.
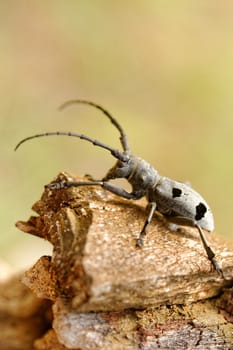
<point x="143" y="176"/>
<point x="140" y="174"/>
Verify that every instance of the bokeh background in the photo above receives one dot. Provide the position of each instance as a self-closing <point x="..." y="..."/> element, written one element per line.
<point x="163" y="68"/>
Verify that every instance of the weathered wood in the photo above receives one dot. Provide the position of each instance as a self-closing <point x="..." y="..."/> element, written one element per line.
<point x="23" y="316"/>
<point x="97" y="266"/>
<point x="98" y="280"/>
<point x="194" y="326"/>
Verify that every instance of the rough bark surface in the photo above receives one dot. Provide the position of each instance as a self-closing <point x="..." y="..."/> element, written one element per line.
<point x="23" y="316"/>
<point x="108" y="294"/>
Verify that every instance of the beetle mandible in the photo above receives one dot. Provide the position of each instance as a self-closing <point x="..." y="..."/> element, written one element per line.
<point x="176" y="201"/>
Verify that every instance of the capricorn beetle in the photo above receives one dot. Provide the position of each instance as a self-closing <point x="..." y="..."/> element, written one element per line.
<point x="176" y="201"/>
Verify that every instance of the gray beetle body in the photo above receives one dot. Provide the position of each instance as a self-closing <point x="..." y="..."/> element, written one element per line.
<point x="177" y="201"/>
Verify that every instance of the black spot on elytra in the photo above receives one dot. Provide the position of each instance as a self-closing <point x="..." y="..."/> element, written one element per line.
<point x="200" y="211"/>
<point x="176" y="192"/>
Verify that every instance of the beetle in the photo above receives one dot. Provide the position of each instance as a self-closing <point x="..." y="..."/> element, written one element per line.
<point x="176" y="201"/>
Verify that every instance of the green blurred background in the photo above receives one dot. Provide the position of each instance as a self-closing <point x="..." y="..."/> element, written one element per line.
<point x="163" y="68"/>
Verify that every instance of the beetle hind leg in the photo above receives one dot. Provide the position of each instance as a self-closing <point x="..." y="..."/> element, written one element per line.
<point x="209" y="251"/>
<point x="183" y="221"/>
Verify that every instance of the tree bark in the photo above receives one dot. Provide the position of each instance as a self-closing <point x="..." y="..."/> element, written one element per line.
<point x="109" y="294"/>
<point x="23" y="316"/>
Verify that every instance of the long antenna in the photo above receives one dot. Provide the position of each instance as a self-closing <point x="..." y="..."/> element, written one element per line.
<point x="123" y="137"/>
<point x="116" y="153"/>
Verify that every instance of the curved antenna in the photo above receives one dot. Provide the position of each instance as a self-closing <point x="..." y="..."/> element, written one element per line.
<point x="123" y="137"/>
<point x="117" y="154"/>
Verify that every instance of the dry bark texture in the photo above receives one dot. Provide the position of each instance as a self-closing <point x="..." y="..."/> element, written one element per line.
<point x="23" y="317"/>
<point x="108" y="294"/>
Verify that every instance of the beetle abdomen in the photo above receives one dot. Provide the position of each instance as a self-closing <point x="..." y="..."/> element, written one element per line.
<point x="180" y="200"/>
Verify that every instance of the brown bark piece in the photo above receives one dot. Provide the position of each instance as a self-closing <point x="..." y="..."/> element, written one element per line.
<point x="98" y="280"/>
<point x="194" y="326"/>
<point x="23" y="317"/>
<point x="97" y="266"/>
<point x="49" y="342"/>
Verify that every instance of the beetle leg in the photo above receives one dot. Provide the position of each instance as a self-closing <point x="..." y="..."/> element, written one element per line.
<point x="210" y="254"/>
<point x="109" y="187"/>
<point x="209" y="251"/>
<point x="140" y="240"/>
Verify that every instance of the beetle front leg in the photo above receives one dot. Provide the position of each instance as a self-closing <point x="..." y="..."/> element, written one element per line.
<point x="107" y="186"/>
<point x="140" y="240"/>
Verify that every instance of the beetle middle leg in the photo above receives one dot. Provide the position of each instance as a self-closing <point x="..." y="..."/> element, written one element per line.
<point x="140" y="240"/>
